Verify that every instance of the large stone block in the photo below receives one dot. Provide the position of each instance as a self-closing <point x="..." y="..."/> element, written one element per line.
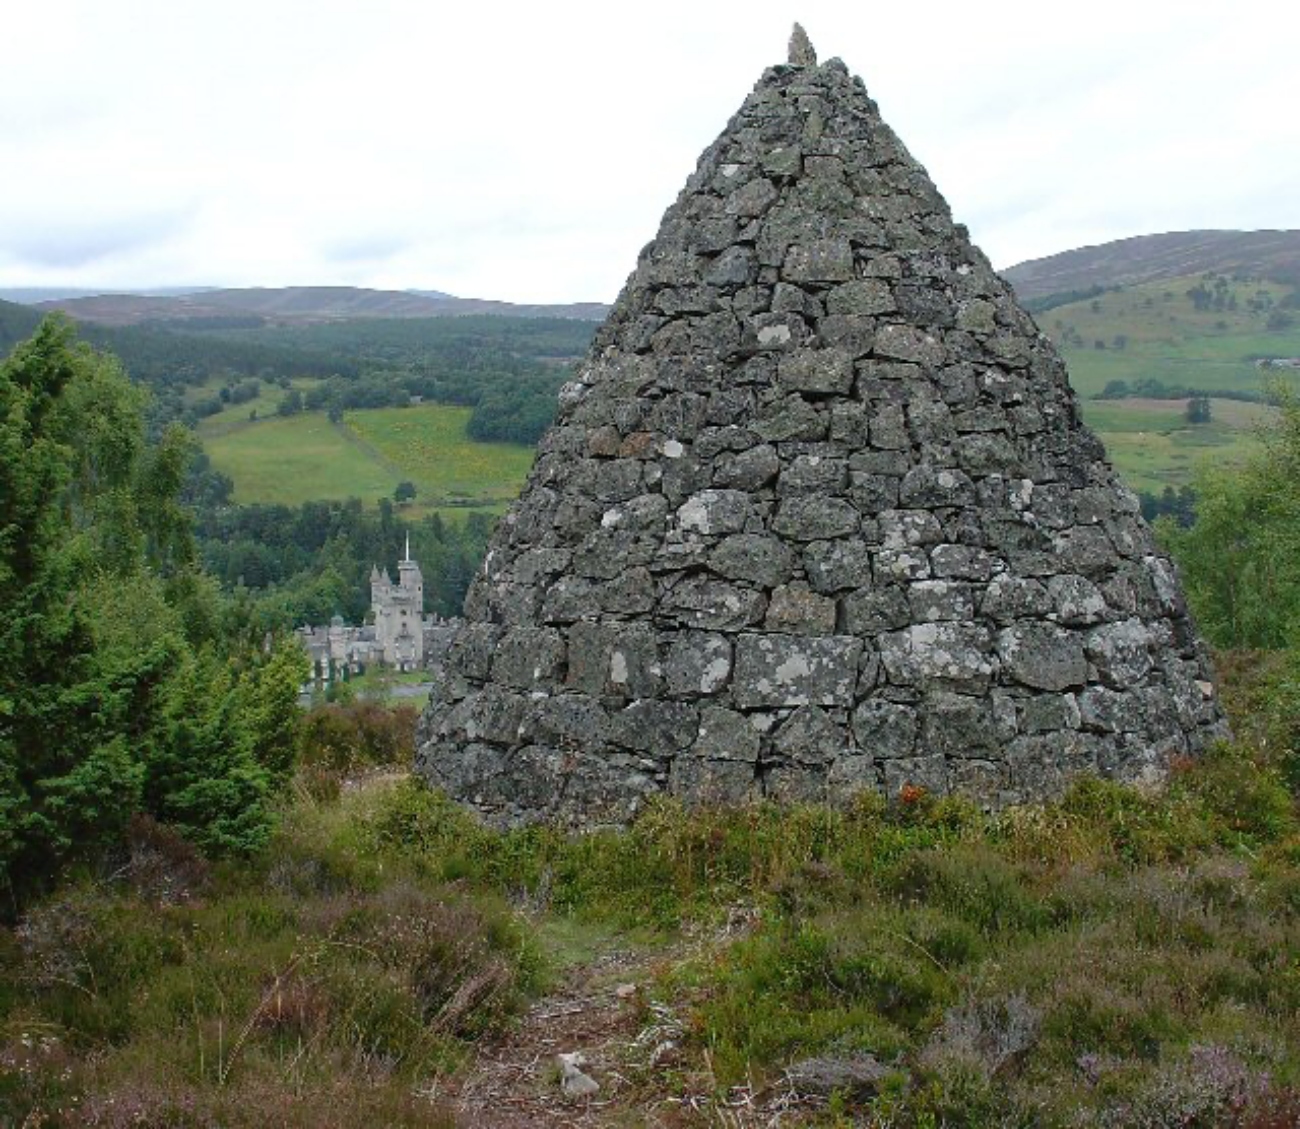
<point x="712" y="604"/>
<point x="820" y="370"/>
<point x="810" y="735"/>
<point x="782" y="670"/>
<point x="1043" y="656"/>
<point x="834" y="566"/>
<point x="815" y="519"/>
<point x="885" y="730"/>
<point x="528" y="658"/>
<point x="697" y="664"/>
<point x="715" y="512"/>
<point x="758" y="559"/>
<point x="940" y="655"/>
<point x="1122" y="652"/>
<point x="613" y="659"/>
<point x="796" y="610"/>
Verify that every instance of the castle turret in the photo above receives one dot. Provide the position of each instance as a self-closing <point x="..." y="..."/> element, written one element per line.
<point x="411" y="580"/>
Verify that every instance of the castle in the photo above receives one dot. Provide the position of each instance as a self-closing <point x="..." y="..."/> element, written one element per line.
<point x="399" y="611"/>
<point x="400" y="635"/>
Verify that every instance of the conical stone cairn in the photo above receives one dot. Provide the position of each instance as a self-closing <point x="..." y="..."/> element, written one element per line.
<point x="817" y="515"/>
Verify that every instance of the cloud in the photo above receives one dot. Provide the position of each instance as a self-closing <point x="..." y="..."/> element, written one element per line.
<point x="527" y="152"/>
<point x="71" y="242"/>
<point x="369" y="249"/>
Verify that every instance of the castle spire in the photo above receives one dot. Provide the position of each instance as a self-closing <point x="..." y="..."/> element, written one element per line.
<point x="408" y="548"/>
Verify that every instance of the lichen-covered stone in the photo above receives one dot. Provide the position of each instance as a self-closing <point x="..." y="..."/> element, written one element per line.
<point x="700" y="602"/>
<point x="815" y="519"/>
<point x="951" y="655"/>
<point x="725" y="735"/>
<point x="797" y="610"/>
<point x="782" y="670"/>
<point x="817" y="515"/>
<point x="885" y="730"/>
<point x="833" y="566"/>
<point x="1043" y="656"/>
<point x="812" y="736"/>
<point x="753" y="557"/>
<point x="697" y="664"/>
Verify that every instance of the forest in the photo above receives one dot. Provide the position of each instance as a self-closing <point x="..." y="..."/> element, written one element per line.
<point x="507" y="368"/>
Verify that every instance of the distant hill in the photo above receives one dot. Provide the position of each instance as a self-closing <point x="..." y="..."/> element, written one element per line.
<point x="299" y="305"/>
<point x="1272" y="255"/>
<point x="17" y="323"/>
<point x="29" y="295"/>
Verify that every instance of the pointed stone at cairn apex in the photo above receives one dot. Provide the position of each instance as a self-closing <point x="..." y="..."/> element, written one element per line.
<point x="817" y="514"/>
<point x="801" y="48"/>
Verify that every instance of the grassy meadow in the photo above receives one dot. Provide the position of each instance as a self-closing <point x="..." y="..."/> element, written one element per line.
<point x="1155" y="332"/>
<point x="1153" y="446"/>
<point x="294" y="459"/>
<point x="236" y="416"/>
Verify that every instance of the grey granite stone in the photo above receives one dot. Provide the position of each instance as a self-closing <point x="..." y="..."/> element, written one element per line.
<point x="817" y="515"/>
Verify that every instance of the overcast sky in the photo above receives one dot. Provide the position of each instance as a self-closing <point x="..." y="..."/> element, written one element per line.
<point x="527" y="151"/>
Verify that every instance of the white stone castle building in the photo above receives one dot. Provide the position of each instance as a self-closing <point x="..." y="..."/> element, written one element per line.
<point x="400" y="636"/>
<point x="398" y="611"/>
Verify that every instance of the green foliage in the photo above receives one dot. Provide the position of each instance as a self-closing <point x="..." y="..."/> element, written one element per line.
<point x="358" y="734"/>
<point x="1241" y="560"/>
<point x="58" y="745"/>
<point x="113" y="696"/>
<point x="267" y="709"/>
<point x="1104" y="959"/>
<point x="304" y="564"/>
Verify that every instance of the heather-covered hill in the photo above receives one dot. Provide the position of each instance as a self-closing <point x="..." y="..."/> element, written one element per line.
<point x="1272" y="255"/>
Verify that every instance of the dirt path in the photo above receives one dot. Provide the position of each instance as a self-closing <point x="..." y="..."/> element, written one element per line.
<point x="600" y="1009"/>
<point x="633" y="1045"/>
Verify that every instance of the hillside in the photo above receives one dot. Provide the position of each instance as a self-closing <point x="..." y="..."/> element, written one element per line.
<point x="17" y="323"/>
<point x="1273" y="255"/>
<point x="295" y="305"/>
<point x="306" y="457"/>
<point x="1136" y="353"/>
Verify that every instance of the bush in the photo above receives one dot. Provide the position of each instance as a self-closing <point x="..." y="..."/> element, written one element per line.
<point x="357" y="734"/>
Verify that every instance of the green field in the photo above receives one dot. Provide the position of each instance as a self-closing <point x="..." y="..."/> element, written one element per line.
<point x="234" y="416"/>
<point x="1155" y="332"/>
<point x="1149" y="332"/>
<point x="1152" y="445"/>
<point x="1164" y="337"/>
<point x="300" y="458"/>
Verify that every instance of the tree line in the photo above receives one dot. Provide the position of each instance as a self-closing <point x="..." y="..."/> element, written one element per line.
<point x="296" y="565"/>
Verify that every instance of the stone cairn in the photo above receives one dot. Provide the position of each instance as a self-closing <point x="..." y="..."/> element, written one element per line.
<point x="817" y="515"/>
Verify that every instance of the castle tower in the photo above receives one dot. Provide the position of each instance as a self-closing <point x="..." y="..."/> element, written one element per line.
<point x="818" y="514"/>
<point x="399" y="613"/>
<point x="411" y="580"/>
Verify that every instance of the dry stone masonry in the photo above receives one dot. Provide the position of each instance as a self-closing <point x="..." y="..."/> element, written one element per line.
<point x="817" y="515"/>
